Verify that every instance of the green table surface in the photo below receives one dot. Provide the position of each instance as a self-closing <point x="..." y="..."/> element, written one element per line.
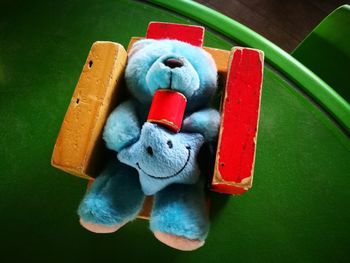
<point x="297" y="211"/>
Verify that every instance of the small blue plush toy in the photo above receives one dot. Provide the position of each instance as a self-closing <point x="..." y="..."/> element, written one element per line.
<point x="163" y="158"/>
<point x="152" y="160"/>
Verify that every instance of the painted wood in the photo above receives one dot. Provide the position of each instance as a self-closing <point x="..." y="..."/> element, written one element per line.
<point x="191" y="34"/>
<point x="234" y="164"/>
<point x="79" y="148"/>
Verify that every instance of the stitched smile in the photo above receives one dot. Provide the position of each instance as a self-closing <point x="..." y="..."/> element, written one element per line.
<point x="173" y="175"/>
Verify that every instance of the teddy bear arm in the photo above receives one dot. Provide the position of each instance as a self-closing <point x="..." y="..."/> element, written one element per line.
<point x="122" y="127"/>
<point x="206" y="122"/>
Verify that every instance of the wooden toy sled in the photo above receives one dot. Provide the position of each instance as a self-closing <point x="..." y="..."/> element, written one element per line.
<point x="80" y="150"/>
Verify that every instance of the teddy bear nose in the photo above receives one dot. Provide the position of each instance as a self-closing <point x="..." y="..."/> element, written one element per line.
<point x="173" y="63"/>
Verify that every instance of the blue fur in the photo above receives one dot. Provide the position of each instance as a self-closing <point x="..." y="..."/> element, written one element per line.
<point x="115" y="197"/>
<point x="145" y="71"/>
<point x="206" y="122"/>
<point x="180" y="210"/>
<point x="162" y="157"/>
<point x="122" y="127"/>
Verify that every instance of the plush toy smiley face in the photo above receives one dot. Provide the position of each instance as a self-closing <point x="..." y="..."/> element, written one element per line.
<point x="171" y="64"/>
<point x="163" y="158"/>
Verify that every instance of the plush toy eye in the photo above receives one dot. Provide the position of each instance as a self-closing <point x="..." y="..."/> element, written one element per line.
<point x="170" y="144"/>
<point x="150" y="150"/>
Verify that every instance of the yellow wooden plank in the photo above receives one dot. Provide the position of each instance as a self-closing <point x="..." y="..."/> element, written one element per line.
<point x="79" y="148"/>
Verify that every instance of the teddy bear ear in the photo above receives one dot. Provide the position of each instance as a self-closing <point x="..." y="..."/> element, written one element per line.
<point x="140" y="44"/>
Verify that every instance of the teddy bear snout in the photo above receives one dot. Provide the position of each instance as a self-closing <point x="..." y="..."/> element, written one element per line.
<point x="173" y="63"/>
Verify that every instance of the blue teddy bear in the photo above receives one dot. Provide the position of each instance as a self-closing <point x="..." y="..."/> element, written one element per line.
<point x="152" y="160"/>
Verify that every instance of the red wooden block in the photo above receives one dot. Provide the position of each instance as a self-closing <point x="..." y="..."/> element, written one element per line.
<point x="239" y="124"/>
<point x="167" y="109"/>
<point x="193" y="35"/>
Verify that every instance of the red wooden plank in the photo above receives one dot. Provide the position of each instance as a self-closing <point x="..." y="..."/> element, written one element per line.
<point x="237" y="140"/>
<point x="193" y="35"/>
<point x="225" y="188"/>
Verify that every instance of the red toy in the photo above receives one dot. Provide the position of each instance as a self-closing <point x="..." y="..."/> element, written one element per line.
<point x="168" y="108"/>
<point x="239" y="123"/>
<point x="193" y="35"/>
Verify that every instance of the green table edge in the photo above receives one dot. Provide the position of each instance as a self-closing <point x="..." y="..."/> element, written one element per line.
<point x="307" y="81"/>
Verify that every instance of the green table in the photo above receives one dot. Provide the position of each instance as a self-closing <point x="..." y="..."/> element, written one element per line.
<point x="297" y="211"/>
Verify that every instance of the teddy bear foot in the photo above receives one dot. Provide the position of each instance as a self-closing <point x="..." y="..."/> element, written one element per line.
<point x="178" y="242"/>
<point x="100" y="229"/>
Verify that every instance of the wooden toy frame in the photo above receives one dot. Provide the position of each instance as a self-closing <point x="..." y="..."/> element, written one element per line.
<point x="80" y="150"/>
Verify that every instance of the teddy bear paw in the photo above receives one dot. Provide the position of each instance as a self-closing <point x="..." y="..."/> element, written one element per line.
<point x="101" y="229"/>
<point x="178" y="242"/>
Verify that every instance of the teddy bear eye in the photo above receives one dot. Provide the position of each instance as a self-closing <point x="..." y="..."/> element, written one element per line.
<point x="149" y="150"/>
<point x="170" y="144"/>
